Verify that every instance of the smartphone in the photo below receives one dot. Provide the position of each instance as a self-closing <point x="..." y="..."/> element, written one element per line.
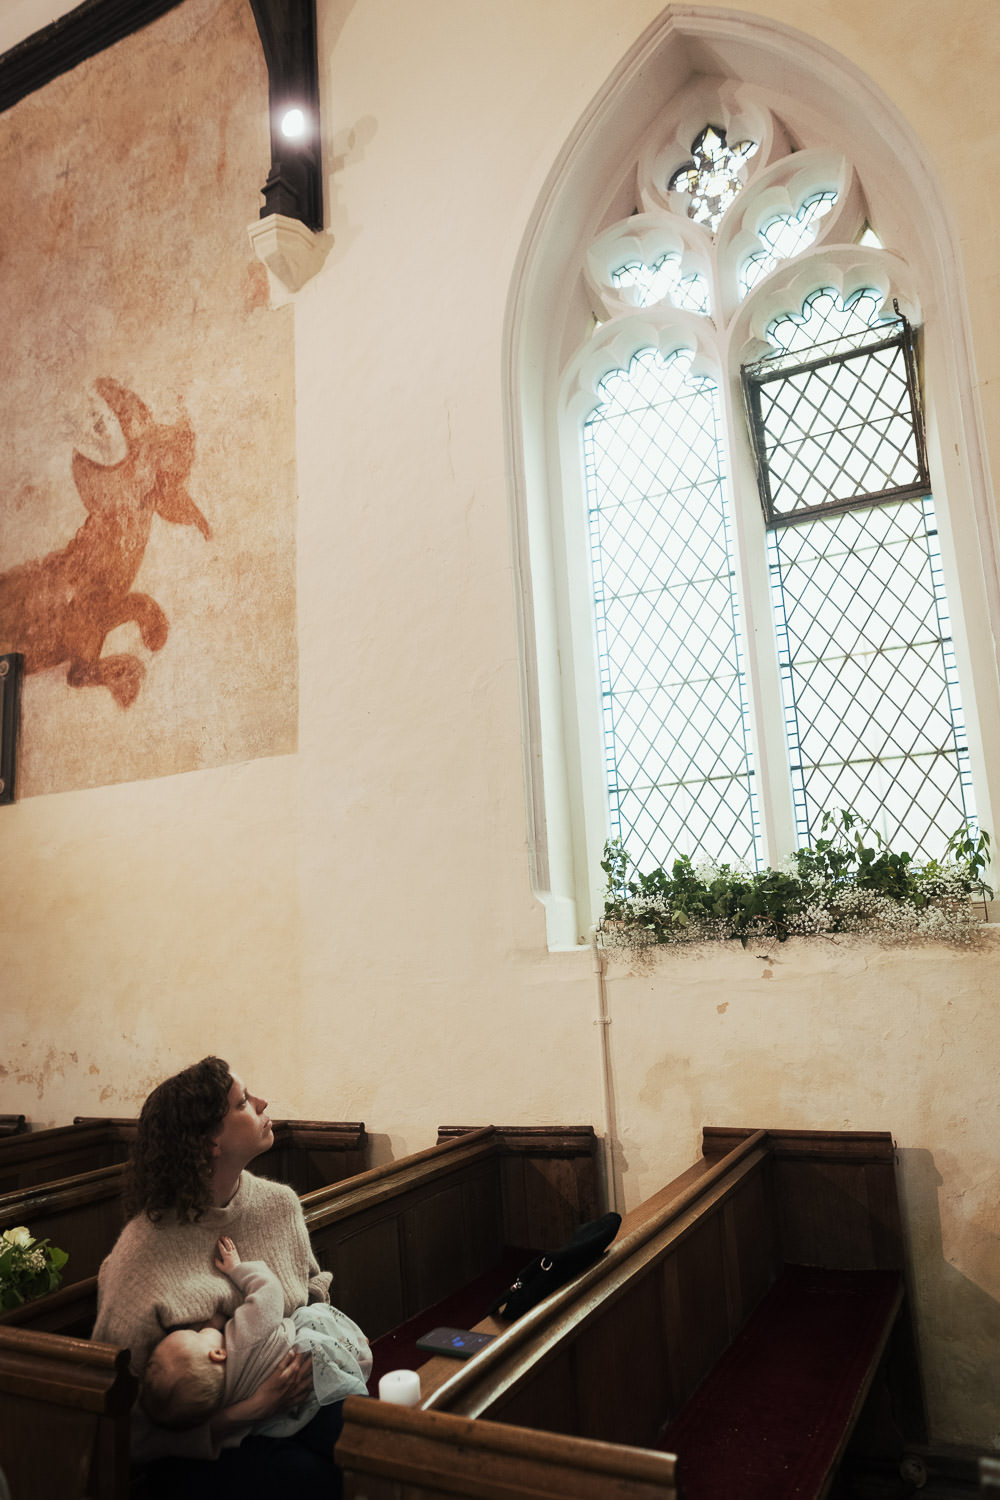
<point x="460" y="1343"/>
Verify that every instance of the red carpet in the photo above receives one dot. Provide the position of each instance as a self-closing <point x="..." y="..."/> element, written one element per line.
<point x="768" y="1419"/>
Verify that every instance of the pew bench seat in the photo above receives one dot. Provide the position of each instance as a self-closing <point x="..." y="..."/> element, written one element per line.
<point x="773" y="1417"/>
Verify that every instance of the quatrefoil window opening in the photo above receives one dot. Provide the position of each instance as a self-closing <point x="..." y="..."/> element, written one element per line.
<point x="714" y="177"/>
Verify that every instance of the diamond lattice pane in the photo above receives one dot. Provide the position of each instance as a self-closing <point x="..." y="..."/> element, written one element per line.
<point x="677" y="744"/>
<point x="872" y="710"/>
<point x="828" y="325"/>
<point x="839" y="431"/>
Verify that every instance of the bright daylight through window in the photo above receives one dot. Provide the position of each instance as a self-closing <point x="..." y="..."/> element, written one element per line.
<point x="763" y="540"/>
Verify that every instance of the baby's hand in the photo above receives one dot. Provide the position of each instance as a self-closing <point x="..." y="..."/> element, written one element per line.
<point x="228" y="1257"/>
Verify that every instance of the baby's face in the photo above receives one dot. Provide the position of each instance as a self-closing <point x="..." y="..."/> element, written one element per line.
<point x="205" y="1342"/>
<point x="211" y="1337"/>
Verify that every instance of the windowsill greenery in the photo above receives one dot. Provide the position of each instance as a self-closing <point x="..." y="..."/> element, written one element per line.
<point x="842" y="884"/>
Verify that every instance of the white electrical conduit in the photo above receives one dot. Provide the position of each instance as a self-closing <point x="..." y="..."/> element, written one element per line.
<point x="603" y="1022"/>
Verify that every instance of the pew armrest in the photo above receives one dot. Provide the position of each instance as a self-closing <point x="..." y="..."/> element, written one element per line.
<point x="433" y="1453"/>
<point x="64" y="1416"/>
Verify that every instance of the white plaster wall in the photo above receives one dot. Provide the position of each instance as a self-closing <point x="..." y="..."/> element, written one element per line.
<point x="353" y="925"/>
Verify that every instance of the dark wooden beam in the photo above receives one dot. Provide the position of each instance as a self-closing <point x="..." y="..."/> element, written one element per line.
<point x="287" y="30"/>
<point x="61" y="46"/>
<point x="288" y="36"/>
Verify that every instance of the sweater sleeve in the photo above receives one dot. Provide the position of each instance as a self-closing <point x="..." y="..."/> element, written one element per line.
<point x="319" y="1285"/>
<point x="262" y="1310"/>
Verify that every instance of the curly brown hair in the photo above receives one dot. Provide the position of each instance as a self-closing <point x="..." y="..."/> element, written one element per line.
<point x="170" y="1168"/>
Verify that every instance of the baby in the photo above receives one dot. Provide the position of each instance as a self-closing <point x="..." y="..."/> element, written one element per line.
<point x="194" y="1372"/>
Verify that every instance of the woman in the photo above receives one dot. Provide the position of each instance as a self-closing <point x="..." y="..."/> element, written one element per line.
<point x="188" y="1187"/>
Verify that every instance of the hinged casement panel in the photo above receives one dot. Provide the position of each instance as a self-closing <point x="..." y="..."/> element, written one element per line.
<point x="838" y="430"/>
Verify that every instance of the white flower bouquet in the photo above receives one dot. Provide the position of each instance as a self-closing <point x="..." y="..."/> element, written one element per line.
<point x="28" y="1267"/>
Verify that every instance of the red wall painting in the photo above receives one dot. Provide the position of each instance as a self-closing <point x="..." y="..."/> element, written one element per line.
<point x="61" y="609"/>
<point x="147" y="523"/>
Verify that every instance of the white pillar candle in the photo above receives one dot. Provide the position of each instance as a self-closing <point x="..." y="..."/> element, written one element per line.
<point x="402" y="1387"/>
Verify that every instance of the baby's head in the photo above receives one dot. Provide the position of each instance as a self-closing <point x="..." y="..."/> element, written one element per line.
<point x="185" y="1377"/>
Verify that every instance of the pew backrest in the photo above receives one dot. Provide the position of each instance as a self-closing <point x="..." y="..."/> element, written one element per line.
<point x="306" y="1154"/>
<point x="675" y="1285"/>
<point x="71" y="1310"/>
<point x="12" y="1125"/>
<point x="64" y="1417"/>
<point x="678" y="1284"/>
<point x="40" y="1156"/>
<point x="83" y="1215"/>
<point x="401" y="1236"/>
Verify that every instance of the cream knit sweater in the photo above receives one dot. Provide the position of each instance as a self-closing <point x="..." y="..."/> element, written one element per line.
<point x="161" y="1275"/>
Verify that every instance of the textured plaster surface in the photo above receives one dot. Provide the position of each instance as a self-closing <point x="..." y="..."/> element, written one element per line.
<point x="123" y="255"/>
<point x="352" y="925"/>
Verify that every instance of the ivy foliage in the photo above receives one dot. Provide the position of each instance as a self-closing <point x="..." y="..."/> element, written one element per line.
<point x="849" y="880"/>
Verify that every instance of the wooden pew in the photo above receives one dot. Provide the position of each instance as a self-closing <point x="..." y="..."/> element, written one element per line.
<point x="424" y="1454"/>
<point x="83" y="1213"/>
<point x="64" y="1406"/>
<point x="40" y="1156"/>
<point x="625" y="1354"/>
<point x="397" y="1238"/>
<point x="402" y="1236"/>
<point x="306" y="1154"/>
<point x="12" y="1125"/>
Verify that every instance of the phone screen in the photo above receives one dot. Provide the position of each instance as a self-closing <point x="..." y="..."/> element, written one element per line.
<point x="460" y="1343"/>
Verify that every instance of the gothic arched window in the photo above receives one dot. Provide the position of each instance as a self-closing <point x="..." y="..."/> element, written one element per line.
<point x="748" y="619"/>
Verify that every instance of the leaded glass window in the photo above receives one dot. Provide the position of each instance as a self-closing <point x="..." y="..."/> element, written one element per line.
<point x="676" y="731"/>
<point x="871" y="699"/>
<point x="838" y="422"/>
<point x="651" y="284"/>
<point x="714" y="175"/>
<point x="784" y="237"/>
<point x="872" y="707"/>
<point x="851" y="652"/>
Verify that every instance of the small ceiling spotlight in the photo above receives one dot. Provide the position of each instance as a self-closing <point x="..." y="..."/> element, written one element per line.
<point x="294" y="123"/>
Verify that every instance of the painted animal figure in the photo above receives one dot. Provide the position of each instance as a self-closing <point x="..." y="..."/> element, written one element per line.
<point x="60" y="607"/>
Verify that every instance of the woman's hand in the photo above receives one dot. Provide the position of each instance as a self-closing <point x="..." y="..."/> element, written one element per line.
<point x="288" y="1385"/>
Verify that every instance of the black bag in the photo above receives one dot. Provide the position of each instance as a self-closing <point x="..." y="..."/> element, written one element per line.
<point x="547" y="1272"/>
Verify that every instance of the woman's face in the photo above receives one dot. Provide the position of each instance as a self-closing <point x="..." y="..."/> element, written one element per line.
<point x="246" y="1130"/>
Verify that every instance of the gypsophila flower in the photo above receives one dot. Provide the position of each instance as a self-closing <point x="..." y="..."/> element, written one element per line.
<point x="841" y="886"/>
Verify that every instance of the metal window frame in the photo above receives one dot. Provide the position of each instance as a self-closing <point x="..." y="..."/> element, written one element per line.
<point x="763" y="372"/>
